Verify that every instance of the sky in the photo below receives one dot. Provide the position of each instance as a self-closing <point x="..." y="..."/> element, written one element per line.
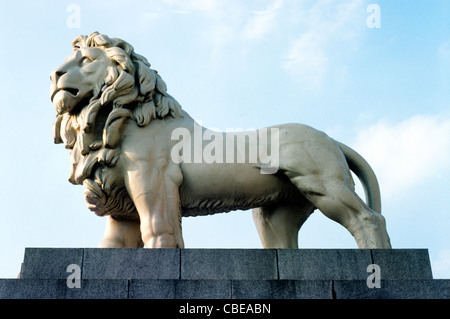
<point x="374" y="75"/>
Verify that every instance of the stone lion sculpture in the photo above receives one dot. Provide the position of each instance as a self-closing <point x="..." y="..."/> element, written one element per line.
<point x="131" y="147"/>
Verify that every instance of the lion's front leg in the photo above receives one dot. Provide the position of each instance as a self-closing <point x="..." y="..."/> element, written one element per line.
<point x="154" y="191"/>
<point x="121" y="234"/>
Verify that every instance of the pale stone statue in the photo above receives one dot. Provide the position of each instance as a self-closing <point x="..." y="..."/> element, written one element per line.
<point x="145" y="163"/>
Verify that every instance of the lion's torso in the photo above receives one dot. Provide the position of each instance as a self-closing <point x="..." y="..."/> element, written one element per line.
<point x="205" y="188"/>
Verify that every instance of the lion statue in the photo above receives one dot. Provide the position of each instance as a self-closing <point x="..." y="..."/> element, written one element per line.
<point x="145" y="163"/>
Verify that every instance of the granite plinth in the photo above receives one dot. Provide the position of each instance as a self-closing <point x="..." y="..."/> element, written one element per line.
<point x="224" y="274"/>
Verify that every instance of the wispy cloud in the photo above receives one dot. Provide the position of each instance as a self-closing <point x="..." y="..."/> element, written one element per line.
<point x="260" y="23"/>
<point x="189" y="6"/>
<point x="323" y="27"/>
<point x="224" y="25"/>
<point x="313" y="31"/>
<point x="407" y="153"/>
<point x="151" y="13"/>
<point x="237" y="24"/>
<point x="307" y="59"/>
<point x="234" y="27"/>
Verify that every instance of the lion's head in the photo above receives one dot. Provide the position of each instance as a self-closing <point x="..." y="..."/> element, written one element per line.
<point x="96" y="91"/>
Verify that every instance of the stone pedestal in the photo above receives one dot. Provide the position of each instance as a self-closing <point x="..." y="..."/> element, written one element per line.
<point x="223" y="274"/>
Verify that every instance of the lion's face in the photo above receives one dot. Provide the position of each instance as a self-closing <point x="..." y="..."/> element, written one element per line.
<point x="78" y="79"/>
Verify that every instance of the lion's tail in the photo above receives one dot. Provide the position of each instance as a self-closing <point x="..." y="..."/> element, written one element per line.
<point x="366" y="175"/>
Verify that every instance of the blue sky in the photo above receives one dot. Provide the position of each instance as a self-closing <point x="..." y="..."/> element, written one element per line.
<point x="241" y="64"/>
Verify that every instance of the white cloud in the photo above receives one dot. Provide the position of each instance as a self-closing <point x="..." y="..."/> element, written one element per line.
<point x="261" y="23"/>
<point x="306" y="58"/>
<point x="152" y="13"/>
<point x="321" y="26"/>
<point x="234" y="26"/>
<point x="314" y="31"/>
<point x="238" y="24"/>
<point x="187" y="6"/>
<point x="407" y="153"/>
<point x="441" y="266"/>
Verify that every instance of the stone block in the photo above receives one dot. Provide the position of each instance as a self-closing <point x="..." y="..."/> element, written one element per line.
<point x="403" y="263"/>
<point x="57" y="289"/>
<point x="131" y="263"/>
<point x="323" y="264"/>
<point x="49" y="263"/>
<point x="393" y="289"/>
<point x="179" y="289"/>
<point x="151" y="289"/>
<point x="221" y="264"/>
<point x="203" y="289"/>
<point x="313" y="289"/>
<point x="282" y="289"/>
<point x="98" y="289"/>
<point x="263" y="289"/>
<point x="31" y="288"/>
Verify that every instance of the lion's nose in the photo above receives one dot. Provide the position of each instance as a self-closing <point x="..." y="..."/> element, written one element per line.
<point x="55" y="75"/>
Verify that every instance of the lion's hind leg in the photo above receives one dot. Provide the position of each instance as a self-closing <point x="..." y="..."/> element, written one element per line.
<point x="317" y="167"/>
<point x="278" y="224"/>
<point x="338" y="201"/>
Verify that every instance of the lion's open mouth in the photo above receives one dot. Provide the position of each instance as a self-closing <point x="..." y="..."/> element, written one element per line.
<point x="72" y="91"/>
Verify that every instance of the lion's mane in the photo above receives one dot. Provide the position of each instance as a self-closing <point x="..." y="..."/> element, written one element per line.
<point x="130" y="91"/>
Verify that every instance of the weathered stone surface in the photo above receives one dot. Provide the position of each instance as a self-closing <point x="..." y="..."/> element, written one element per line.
<point x="49" y="263"/>
<point x="58" y="289"/>
<point x="393" y="289"/>
<point x="219" y="264"/>
<point x="282" y="289"/>
<point x="133" y="263"/>
<point x="403" y="263"/>
<point x="263" y="289"/>
<point x="321" y="264"/>
<point x="99" y="289"/>
<point x="179" y="289"/>
<point x="31" y="289"/>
